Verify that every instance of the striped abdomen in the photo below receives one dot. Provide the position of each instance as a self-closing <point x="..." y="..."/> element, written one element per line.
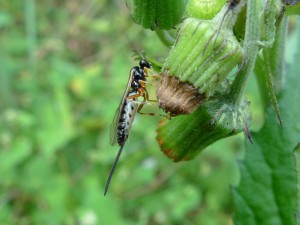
<point x="128" y="112"/>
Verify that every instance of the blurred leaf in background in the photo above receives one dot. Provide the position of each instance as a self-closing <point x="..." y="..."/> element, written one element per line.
<point x="64" y="66"/>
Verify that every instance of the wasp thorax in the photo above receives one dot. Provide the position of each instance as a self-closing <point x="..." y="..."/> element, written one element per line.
<point x="176" y="97"/>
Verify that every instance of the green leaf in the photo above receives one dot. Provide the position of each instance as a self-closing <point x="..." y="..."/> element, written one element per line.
<point x="267" y="190"/>
<point x="12" y="157"/>
<point x="293" y="8"/>
<point x="54" y="120"/>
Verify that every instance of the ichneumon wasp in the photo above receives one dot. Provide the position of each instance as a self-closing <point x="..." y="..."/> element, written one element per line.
<point x="129" y="106"/>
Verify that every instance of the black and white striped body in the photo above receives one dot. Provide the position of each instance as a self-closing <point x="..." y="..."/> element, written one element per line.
<point x="128" y="112"/>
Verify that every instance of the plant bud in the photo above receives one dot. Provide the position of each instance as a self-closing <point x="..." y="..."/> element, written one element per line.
<point x="157" y="14"/>
<point x="204" y="9"/>
<point x="184" y="137"/>
<point x="201" y="58"/>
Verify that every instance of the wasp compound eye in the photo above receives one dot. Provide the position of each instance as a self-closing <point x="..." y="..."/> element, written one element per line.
<point x="145" y="64"/>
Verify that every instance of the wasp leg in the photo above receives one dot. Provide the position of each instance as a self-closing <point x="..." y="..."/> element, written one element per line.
<point x="143" y="92"/>
<point x="143" y="102"/>
<point x="146" y="70"/>
<point x="150" y="114"/>
<point x="146" y="82"/>
<point x="154" y="76"/>
<point x="134" y="96"/>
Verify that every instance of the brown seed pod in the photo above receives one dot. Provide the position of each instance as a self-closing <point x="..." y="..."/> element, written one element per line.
<point x="176" y="97"/>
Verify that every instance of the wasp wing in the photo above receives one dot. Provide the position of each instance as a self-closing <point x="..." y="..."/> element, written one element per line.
<point x="113" y="128"/>
<point x="114" y="125"/>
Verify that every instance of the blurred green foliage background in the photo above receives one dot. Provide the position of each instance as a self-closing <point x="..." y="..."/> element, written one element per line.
<point x="63" y="69"/>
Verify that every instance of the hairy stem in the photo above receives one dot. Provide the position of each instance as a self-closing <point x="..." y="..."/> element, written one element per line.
<point x="252" y="35"/>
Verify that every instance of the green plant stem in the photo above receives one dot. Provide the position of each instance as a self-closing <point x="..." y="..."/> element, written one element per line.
<point x="259" y="70"/>
<point x="277" y="59"/>
<point x="273" y="36"/>
<point x="252" y="35"/>
<point x="165" y="37"/>
<point x="276" y="63"/>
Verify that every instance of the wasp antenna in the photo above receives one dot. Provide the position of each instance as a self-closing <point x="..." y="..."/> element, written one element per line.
<point x="113" y="169"/>
<point x="138" y="54"/>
